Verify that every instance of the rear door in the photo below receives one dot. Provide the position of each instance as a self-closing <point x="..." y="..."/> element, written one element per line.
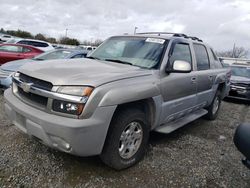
<point x="178" y="89"/>
<point x="10" y="53"/>
<point x="205" y="74"/>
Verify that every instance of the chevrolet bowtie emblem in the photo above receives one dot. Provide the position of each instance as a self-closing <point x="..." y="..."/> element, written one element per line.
<point x="26" y="87"/>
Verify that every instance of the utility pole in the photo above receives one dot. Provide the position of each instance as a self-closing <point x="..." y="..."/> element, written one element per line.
<point x="135" y="29"/>
<point x="66" y="32"/>
<point x="234" y="51"/>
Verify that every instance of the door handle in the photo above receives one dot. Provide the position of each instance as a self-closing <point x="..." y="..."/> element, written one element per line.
<point x="210" y="77"/>
<point x="193" y="79"/>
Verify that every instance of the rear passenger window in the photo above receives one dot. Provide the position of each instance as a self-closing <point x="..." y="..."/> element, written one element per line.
<point x="215" y="57"/>
<point x="215" y="60"/>
<point x="201" y="57"/>
<point x="26" y="49"/>
<point x="181" y="52"/>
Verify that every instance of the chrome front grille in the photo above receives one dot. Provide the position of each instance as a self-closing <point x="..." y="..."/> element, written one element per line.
<point x="34" y="98"/>
<point x="41" y="84"/>
<point x="41" y="94"/>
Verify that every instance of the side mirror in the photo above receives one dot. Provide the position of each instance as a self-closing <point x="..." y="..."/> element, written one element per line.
<point x="181" y="66"/>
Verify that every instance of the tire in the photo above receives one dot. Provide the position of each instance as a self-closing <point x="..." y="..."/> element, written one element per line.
<point x="214" y="107"/>
<point x="119" y="137"/>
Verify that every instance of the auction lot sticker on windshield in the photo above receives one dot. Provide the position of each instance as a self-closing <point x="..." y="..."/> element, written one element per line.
<point x="154" y="40"/>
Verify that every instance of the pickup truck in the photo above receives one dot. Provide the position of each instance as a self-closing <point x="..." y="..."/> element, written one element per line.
<point x="108" y="103"/>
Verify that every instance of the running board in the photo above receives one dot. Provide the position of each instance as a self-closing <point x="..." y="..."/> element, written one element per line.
<point x="172" y="126"/>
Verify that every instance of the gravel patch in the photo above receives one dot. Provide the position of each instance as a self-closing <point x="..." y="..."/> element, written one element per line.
<point x="201" y="154"/>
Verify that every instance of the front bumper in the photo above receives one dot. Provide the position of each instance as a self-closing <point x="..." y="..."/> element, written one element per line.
<point x="82" y="137"/>
<point x="239" y="93"/>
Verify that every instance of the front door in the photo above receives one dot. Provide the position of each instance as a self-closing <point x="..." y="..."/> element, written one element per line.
<point x="178" y="89"/>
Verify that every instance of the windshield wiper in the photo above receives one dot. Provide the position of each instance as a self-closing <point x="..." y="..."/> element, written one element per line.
<point x="118" y="61"/>
<point x="91" y="57"/>
<point x="38" y="59"/>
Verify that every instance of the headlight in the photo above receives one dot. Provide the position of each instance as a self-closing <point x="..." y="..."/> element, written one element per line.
<point x="71" y="107"/>
<point x="67" y="107"/>
<point x="76" y="90"/>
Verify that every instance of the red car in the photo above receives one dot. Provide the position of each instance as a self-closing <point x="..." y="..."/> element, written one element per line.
<point x="10" y="52"/>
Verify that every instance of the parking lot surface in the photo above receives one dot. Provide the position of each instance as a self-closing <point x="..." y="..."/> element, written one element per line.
<point x="201" y="154"/>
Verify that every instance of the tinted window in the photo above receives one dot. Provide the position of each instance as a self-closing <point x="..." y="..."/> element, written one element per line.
<point x="15" y="49"/>
<point x="214" y="56"/>
<point x="201" y="57"/>
<point x="33" y="43"/>
<point x="181" y="52"/>
<point x="26" y="49"/>
<point x="216" y="61"/>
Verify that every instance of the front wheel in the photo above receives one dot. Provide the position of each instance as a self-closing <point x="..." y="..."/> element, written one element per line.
<point x="127" y="139"/>
<point x="214" y="107"/>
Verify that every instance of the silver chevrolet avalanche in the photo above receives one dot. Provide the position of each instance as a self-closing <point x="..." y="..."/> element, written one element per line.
<point x="108" y="103"/>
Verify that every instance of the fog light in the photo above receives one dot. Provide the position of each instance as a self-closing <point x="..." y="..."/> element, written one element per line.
<point x="60" y="143"/>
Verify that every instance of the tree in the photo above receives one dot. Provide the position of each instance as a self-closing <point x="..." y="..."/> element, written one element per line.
<point x="69" y="41"/>
<point x="97" y="42"/>
<point x="2" y="31"/>
<point x="40" y="36"/>
<point x="237" y="52"/>
<point x="20" y="33"/>
<point x="51" y="40"/>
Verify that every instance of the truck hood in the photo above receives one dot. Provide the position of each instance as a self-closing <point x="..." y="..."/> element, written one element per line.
<point x="240" y="79"/>
<point x="81" y="71"/>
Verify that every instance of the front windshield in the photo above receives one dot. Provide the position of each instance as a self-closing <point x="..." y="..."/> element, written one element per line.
<point x="55" y="54"/>
<point x="138" y="51"/>
<point x="241" y="71"/>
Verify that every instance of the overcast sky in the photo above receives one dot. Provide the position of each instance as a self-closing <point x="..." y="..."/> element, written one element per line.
<point x="221" y="23"/>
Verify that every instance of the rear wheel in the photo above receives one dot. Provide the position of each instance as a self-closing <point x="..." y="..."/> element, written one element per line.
<point x="214" y="107"/>
<point x="127" y="139"/>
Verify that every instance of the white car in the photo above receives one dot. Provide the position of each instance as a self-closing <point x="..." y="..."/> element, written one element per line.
<point x="42" y="45"/>
<point x="4" y="38"/>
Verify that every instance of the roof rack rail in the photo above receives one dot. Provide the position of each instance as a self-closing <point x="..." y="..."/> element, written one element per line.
<point x="171" y="33"/>
<point x="159" y="33"/>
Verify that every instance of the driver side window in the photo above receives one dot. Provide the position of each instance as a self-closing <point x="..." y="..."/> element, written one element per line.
<point x="181" y="52"/>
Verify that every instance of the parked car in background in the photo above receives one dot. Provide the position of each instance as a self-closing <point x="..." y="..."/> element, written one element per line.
<point x="4" y="38"/>
<point x="42" y="45"/>
<point x="240" y="81"/>
<point x="89" y="48"/>
<point x="9" y="68"/>
<point x="10" y="52"/>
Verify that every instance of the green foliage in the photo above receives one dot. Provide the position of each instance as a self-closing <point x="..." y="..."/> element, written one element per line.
<point x="51" y="40"/>
<point x="40" y="36"/>
<point x="20" y="33"/>
<point x="69" y="41"/>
